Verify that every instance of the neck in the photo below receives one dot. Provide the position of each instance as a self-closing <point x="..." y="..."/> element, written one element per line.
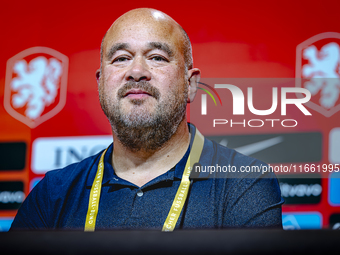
<point x="139" y="167"/>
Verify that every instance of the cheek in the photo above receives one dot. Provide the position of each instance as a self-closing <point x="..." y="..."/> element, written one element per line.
<point x="174" y="77"/>
<point x="112" y="75"/>
<point x="111" y="80"/>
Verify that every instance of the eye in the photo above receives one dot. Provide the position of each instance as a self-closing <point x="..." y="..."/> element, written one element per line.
<point x="120" y="59"/>
<point x="159" y="58"/>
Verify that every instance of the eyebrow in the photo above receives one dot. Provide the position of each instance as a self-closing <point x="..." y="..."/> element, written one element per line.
<point x="161" y="46"/>
<point x="151" y="45"/>
<point x="115" y="48"/>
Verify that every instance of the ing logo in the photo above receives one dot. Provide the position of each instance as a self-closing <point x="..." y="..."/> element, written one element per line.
<point x="204" y="98"/>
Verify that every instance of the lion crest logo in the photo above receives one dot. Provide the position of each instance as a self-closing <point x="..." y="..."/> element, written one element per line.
<point x="318" y="70"/>
<point x="35" y="88"/>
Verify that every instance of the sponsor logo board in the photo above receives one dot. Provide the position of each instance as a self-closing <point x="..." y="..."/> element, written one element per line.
<point x="304" y="189"/>
<point x="12" y="155"/>
<point x="334" y="146"/>
<point x="57" y="152"/>
<point x="5" y="223"/>
<point x="11" y="195"/>
<point x="303" y="220"/>
<point x="334" y="221"/>
<point x="276" y="148"/>
<point x="334" y="189"/>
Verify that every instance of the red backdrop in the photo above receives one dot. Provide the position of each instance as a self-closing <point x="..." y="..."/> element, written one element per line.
<point x="245" y="39"/>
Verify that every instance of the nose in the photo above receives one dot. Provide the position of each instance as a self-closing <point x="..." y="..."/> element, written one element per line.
<point x="138" y="70"/>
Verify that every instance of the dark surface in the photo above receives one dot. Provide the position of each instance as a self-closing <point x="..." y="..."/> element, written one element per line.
<point x="12" y="156"/>
<point x="178" y="242"/>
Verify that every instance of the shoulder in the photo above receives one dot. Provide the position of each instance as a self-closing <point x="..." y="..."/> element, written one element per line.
<point x="58" y="182"/>
<point x="43" y="206"/>
<point x="74" y="171"/>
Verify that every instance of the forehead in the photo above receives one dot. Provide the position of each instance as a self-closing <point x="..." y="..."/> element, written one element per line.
<point x="143" y="29"/>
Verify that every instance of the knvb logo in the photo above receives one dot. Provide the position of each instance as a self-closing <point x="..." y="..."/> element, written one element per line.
<point x="35" y="87"/>
<point x="318" y="70"/>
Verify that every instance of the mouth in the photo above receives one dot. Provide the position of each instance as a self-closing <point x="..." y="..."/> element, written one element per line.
<point x="136" y="94"/>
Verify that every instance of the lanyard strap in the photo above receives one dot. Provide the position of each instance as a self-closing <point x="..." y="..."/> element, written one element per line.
<point x="96" y="188"/>
<point x="178" y="203"/>
<point x="182" y="192"/>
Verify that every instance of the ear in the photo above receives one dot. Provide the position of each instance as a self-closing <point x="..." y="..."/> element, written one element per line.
<point x="98" y="76"/>
<point x="194" y="75"/>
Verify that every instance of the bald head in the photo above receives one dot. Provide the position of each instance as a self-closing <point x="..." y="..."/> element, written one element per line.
<point x="146" y="18"/>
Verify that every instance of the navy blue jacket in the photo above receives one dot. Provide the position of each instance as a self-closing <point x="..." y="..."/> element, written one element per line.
<point x="249" y="200"/>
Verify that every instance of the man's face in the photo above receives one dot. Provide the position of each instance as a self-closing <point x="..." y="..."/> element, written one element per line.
<point x="143" y="84"/>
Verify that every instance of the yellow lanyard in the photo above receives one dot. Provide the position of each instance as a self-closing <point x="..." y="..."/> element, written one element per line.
<point x="177" y="204"/>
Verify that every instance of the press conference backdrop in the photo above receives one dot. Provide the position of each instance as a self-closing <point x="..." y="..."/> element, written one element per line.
<point x="51" y="117"/>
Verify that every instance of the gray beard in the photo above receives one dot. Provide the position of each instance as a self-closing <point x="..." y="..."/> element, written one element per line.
<point x="139" y="129"/>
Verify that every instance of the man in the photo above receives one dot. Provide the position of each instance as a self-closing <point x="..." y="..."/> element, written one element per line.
<point x="142" y="180"/>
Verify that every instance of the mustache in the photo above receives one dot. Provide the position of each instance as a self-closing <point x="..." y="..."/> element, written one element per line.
<point x="142" y="85"/>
